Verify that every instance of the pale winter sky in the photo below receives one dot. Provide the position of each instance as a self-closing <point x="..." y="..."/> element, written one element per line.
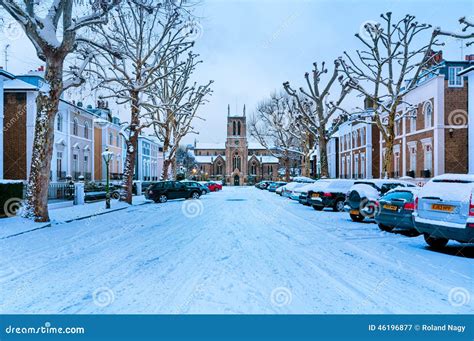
<point x="250" y="47"/>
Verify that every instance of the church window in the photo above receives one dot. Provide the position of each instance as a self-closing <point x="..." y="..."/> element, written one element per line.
<point x="234" y="128"/>
<point x="238" y="128"/>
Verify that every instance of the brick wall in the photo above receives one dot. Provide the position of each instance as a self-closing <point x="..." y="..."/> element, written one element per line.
<point x="14" y="136"/>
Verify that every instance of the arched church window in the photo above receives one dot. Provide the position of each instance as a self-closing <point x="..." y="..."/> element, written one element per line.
<point x="233" y="128"/>
<point x="238" y="128"/>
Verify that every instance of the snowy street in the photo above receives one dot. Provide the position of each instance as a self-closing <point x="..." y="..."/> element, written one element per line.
<point x="241" y="250"/>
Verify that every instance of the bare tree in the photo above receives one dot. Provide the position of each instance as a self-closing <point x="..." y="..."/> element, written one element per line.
<point x="180" y="103"/>
<point x="467" y="25"/>
<point x="147" y="35"/>
<point x="275" y="125"/>
<point x="54" y="36"/>
<point x="390" y="65"/>
<point x="317" y="108"/>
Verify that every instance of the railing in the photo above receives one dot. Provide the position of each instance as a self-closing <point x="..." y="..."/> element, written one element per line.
<point x="61" y="191"/>
<point x="116" y="176"/>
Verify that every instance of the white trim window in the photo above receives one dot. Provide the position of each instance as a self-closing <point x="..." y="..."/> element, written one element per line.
<point x="75" y="127"/>
<point x="412" y="153"/>
<point x="343" y="167"/>
<point x="453" y="79"/>
<point x="59" y="122"/>
<point x="412" y="122"/>
<point x="356" y="166"/>
<point x="362" y="166"/>
<point x="428" y="114"/>
<point x="348" y="161"/>
<point x="86" y="130"/>
<point x="428" y="157"/>
<point x="396" y="164"/>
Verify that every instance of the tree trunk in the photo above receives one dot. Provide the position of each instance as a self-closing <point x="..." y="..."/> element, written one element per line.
<point x="388" y="157"/>
<point x="173" y="168"/>
<point x="132" y="145"/>
<point x="286" y="163"/>
<point x="36" y="203"/>
<point x="323" y="157"/>
<point x="166" y="167"/>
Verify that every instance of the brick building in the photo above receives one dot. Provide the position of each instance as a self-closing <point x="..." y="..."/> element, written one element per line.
<point x="238" y="161"/>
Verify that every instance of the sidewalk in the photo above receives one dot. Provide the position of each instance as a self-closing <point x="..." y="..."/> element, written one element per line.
<point x="14" y="226"/>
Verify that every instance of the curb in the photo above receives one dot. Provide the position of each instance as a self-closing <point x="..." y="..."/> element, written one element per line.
<point x="75" y="219"/>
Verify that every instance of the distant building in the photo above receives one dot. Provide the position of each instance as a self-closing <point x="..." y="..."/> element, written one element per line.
<point x="238" y="161"/>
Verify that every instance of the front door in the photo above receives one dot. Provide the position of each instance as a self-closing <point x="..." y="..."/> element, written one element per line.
<point x="236" y="180"/>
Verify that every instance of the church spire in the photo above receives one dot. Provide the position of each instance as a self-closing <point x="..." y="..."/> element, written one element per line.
<point x="244" y="109"/>
<point x="228" y="109"/>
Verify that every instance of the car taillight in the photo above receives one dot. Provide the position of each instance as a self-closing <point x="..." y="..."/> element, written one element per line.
<point x="410" y="206"/>
<point x="416" y="203"/>
<point x="327" y="194"/>
<point x="471" y="206"/>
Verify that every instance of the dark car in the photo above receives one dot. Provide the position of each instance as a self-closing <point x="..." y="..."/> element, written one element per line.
<point x="194" y="184"/>
<point x="396" y="209"/>
<point x="362" y="199"/>
<point x="162" y="191"/>
<point x="333" y="195"/>
<point x="274" y="185"/>
<point x="263" y="184"/>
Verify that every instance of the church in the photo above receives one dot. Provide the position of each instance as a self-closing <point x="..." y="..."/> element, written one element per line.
<point x="237" y="161"/>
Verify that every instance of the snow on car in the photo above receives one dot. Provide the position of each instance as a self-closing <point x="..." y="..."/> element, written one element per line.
<point x="288" y="189"/>
<point x="303" y="190"/>
<point x="444" y="209"/>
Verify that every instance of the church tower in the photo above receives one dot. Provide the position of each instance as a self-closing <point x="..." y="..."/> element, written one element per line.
<point x="236" y="150"/>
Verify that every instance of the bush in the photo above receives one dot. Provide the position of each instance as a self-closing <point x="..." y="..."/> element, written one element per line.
<point x="11" y="195"/>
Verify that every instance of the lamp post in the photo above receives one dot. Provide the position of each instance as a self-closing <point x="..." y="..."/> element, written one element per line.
<point x="261" y="165"/>
<point x="107" y="156"/>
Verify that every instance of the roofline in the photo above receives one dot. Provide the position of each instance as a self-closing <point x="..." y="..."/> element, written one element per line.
<point x="7" y="74"/>
<point x="466" y="70"/>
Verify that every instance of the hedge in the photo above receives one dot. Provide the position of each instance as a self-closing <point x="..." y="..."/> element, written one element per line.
<point x="11" y="194"/>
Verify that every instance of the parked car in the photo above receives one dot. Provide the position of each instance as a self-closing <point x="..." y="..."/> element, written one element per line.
<point x="302" y="192"/>
<point x="444" y="210"/>
<point x="276" y="184"/>
<point x="333" y="195"/>
<point x="203" y="188"/>
<point x="362" y="199"/>
<point x="162" y="191"/>
<point x="213" y="186"/>
<point x="302" y="179"/>
<point x="396" y="209"/>
<point x="288" y="189"/>
<point x="263" y="184"/>
<point x="279" y="190"/>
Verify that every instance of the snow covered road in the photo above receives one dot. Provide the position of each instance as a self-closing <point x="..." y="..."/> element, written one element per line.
<point x="241" y="250"/>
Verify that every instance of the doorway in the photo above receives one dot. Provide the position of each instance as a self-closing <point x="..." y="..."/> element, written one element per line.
<point x="236" y="180"/>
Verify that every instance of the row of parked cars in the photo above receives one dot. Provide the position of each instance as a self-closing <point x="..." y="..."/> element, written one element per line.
<point x="162" y="191"/>
<point x="441" y="210"/>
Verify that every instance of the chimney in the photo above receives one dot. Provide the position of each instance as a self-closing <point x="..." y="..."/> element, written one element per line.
<point x="469" y="57"/>
<point x="41" y="68"/>
<point x="1" y="67"/>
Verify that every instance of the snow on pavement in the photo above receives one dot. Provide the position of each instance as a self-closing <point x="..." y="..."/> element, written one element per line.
<point x="241" y="250"/>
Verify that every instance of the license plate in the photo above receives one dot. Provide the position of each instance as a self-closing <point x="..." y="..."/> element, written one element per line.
<point x="443" y="208"/>
<point x="315" y="195"/>
<point x="390" y="207"/>
<point x="356" y="212"/>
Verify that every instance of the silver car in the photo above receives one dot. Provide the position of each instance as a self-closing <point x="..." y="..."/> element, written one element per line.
<point x="444" y="209"/>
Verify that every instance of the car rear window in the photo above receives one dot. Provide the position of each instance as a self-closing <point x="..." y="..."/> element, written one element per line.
<point x="408" y="196"/>
<point x="453" y="181"/>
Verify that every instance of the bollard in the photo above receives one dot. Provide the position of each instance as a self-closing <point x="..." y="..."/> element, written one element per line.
<point x="79" y="193"/>
<point x="139" y="187"/>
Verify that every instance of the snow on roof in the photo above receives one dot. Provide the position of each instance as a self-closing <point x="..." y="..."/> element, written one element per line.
<point x="315" y="186"/>
<point x="380" y="182"/>
<point x="210" y="146"/>
<point x="450" y="176"/>
<point x="17" y="84"/>
<point x="207" y="158"/>
<point x="264" y="158"/>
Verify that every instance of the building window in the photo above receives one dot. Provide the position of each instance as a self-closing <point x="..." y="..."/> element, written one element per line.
<point x="238" y="128"/>
<point x="59" y="164"/>
<point x="86" y="130"/>
<point x="86" y="164"/>
<point x="362" y="166"/>
<point x="356" y="166"/>
<point x="219" y="168"/>
<point x="453" y="79"/>
<point x="234" y="128"/>
<point x="75" y="127"/>
<point x="396" y="164"/>
<point x="236" y="162"/>
<point x="412" y="121"/>
<point x="75" y="164"/>
<point x="59" y="122"/>
<point x="118" y="140"/>
<point x="253" y="169"/>
<point x="428" y="157"/>
<point x="348" y="160"/>
<point x="428" y="114"/>
<point x="412" y="151"/>
<point x="111" y="139"/>
<point x="343" y="167"/>
<point x="270" y="170"/>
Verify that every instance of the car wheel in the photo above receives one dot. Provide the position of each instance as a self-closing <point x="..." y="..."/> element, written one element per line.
<point x="435" y="243"/>
<point x="357" y="218"/>
<point x="163" y="198"/>
<point x="318" y="208"/>
<point x="339" y="206"/>
<point x="385" y="228"/>
<point x="195" y="195"/>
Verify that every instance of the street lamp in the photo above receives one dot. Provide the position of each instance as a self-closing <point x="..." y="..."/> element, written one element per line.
<point x="107" y="156"/>
<point x="261" y="165"/>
